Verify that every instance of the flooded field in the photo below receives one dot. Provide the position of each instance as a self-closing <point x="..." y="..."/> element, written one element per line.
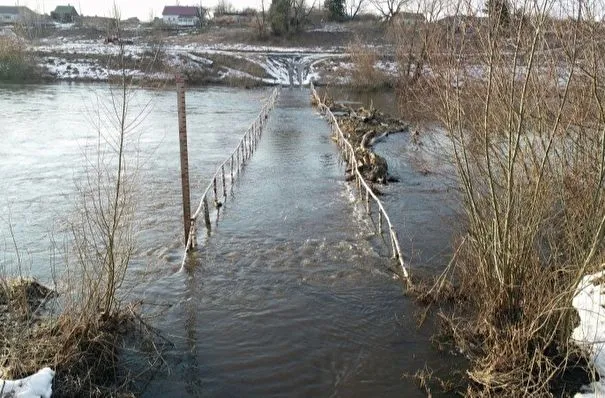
<point x="291" y="295"/>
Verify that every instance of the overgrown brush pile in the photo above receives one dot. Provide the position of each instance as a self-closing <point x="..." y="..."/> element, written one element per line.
<point x="527" y="125"/>
<point x="16" y="65"/>
<point x="362" y="127"/>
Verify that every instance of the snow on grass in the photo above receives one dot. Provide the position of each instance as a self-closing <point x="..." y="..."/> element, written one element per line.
<point x="590" y="334"/>
<point x="199" y="60"/>
<point x="388" y="67"/>
<point x="274" y="60"/>
<point x="330" y="28"/>
<point x="71" y="70"/>
<point x="88" y="70"/>
<point x="64" y="26"/>
<point x="38" y="385"/>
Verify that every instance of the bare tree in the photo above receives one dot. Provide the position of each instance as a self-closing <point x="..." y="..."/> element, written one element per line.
<point x="223" y="7"/>
<point x="104" y="219"/>
<point x="388" y="8"/>
<point x="261" y="21"/>
<point x="415" y="42"/>
<point x="301" y="12"/>
<point x="354" y="7"/>
<point x="201" y="14"/>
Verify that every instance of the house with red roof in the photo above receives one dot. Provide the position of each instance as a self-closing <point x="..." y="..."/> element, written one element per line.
<point x="181" y="15"/>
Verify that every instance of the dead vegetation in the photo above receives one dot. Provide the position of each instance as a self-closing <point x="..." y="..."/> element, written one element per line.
<point x="362" y="127"/>
<point x="84" y="352"/>
<point x="528" y="131"/>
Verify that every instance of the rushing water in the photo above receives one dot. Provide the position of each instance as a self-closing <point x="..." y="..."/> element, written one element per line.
<point x="47" y="132"/>
<point x="289" y="296"/>
<point x="423" y="203"/>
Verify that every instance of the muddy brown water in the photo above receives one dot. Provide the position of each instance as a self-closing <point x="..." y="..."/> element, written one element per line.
<point x="291" y="295"/>
<point x="424" y="203"/>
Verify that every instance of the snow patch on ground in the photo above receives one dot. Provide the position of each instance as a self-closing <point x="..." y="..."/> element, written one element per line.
<point x="590" y="334"/>
<point x="64" y="26"/>
<point x="275" y="61"/>
<point x="79" y="69"/>
<point x="199" y="60"/>
<point x="88" y="70"/>
<point x="388" y="67"/>
<point x="38" y="385"/>
<point x="7" y="32"/>
<point x="330" y="28"/>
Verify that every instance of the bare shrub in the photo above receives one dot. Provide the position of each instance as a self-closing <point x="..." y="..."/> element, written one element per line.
<point x="365" y="74"/>
<point x="416" y="42"/>
<point x="524" y="111"/>
<point x="81" y="336"/>
<point x="16" y="65"/>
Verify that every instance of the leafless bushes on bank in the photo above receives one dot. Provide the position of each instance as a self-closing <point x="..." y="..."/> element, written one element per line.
<point x="524" y="107"/>
<point x="365" y="74"/>
<point x="16" y="65"/>
<point x="81" y="335"/>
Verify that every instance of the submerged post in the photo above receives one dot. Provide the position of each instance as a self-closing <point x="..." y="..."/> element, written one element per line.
<point x="207" y="215"/>
<point x="182" y="116"/>
<point x="224" y="185"/>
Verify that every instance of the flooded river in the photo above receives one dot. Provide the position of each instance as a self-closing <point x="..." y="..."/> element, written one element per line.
<point x="290" y="296"/>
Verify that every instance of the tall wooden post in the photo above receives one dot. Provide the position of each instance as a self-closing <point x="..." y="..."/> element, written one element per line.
<point x="182" y="114"/>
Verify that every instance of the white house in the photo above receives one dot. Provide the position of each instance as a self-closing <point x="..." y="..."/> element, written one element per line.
<point x="180" y="15"/>
<point x="14" y="14"/>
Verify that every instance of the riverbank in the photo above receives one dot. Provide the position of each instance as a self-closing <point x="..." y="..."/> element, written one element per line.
<point x="77" y="55"/>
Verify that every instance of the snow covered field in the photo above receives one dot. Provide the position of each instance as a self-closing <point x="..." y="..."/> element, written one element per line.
<point x="69" y="59"/>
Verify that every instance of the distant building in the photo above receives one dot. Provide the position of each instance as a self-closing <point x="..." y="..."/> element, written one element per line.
<point x="180" y="16"/>
<point x="15" y="14"/>
<point x="409" y="18"/>
<point x="64" y="14"/>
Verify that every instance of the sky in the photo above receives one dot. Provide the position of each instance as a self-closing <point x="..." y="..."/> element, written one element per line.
<point x="146" y="9"/>
<point x="142" y="9"/>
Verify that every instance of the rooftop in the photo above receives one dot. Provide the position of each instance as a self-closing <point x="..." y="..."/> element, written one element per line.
<point x="181" y="11"/>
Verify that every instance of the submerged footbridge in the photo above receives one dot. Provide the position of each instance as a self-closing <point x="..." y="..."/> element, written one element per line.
<point x="290" y="294"/>
<point x="294" y="127"/>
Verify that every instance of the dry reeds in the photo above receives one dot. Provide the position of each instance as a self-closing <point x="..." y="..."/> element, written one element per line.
<point x="84" y="354"/>
<point x="365" y="75"/>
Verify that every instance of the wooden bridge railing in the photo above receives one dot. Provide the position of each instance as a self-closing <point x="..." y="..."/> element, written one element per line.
<point x="366" y="192"/>
<point x="217" y="187"/>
